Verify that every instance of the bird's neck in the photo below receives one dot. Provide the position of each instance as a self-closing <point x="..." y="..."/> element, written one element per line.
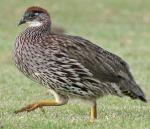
<point x="39" y="28"/>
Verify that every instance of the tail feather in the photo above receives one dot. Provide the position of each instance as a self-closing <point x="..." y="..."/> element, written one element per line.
<point x="131" y="89"/>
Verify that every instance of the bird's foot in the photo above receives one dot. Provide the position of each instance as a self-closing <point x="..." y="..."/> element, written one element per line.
<point x="40" y="104"/>
<point x="92" y="120"/>
<point x="28" y="108"/>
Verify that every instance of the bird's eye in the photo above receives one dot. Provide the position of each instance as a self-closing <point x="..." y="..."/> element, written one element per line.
<point x="31" y="15"/>
<point x="36" y="14"/>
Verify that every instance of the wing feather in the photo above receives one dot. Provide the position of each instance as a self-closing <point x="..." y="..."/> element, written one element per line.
<point x="104" y="65"/>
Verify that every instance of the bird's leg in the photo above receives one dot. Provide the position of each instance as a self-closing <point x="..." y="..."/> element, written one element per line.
<point x="42" y="103"/>
<point x="93" y="113"/>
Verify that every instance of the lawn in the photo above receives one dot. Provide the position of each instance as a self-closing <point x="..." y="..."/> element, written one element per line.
<point x="120" y="26"/>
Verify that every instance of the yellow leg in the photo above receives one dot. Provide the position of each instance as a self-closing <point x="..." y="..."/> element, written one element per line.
<point x="93" y="113"/>
<point x="40" y="104"/>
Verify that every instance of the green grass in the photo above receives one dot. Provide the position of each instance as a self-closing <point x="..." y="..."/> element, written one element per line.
<point x="122" y="27"/>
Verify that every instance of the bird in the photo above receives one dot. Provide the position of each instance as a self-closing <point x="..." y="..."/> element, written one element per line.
<point x="69" y="66"/>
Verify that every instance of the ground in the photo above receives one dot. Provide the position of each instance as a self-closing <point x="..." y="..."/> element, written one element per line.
<point x="122" y="27"/>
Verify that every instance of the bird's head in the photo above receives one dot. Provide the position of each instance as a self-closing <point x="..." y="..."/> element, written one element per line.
<point x="35" y="16"/>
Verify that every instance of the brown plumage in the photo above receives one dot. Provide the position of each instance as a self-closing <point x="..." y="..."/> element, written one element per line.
<point x="69" y="66"/>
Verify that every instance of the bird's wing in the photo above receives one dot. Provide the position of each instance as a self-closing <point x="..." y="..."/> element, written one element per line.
<point x="74" y="77"/>
<point x="104" y="65"/>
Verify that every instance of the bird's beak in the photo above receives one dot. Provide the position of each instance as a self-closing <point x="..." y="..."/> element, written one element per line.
<point x="22" y="21"/>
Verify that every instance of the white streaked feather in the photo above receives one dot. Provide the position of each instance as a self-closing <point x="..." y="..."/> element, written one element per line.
<point x="37" y="74"/>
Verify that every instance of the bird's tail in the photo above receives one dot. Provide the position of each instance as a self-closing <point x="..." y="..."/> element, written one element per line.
<point x="131" y="89"/>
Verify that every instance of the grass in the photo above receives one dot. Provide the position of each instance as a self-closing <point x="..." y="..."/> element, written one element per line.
<point x="122" y="27"/>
